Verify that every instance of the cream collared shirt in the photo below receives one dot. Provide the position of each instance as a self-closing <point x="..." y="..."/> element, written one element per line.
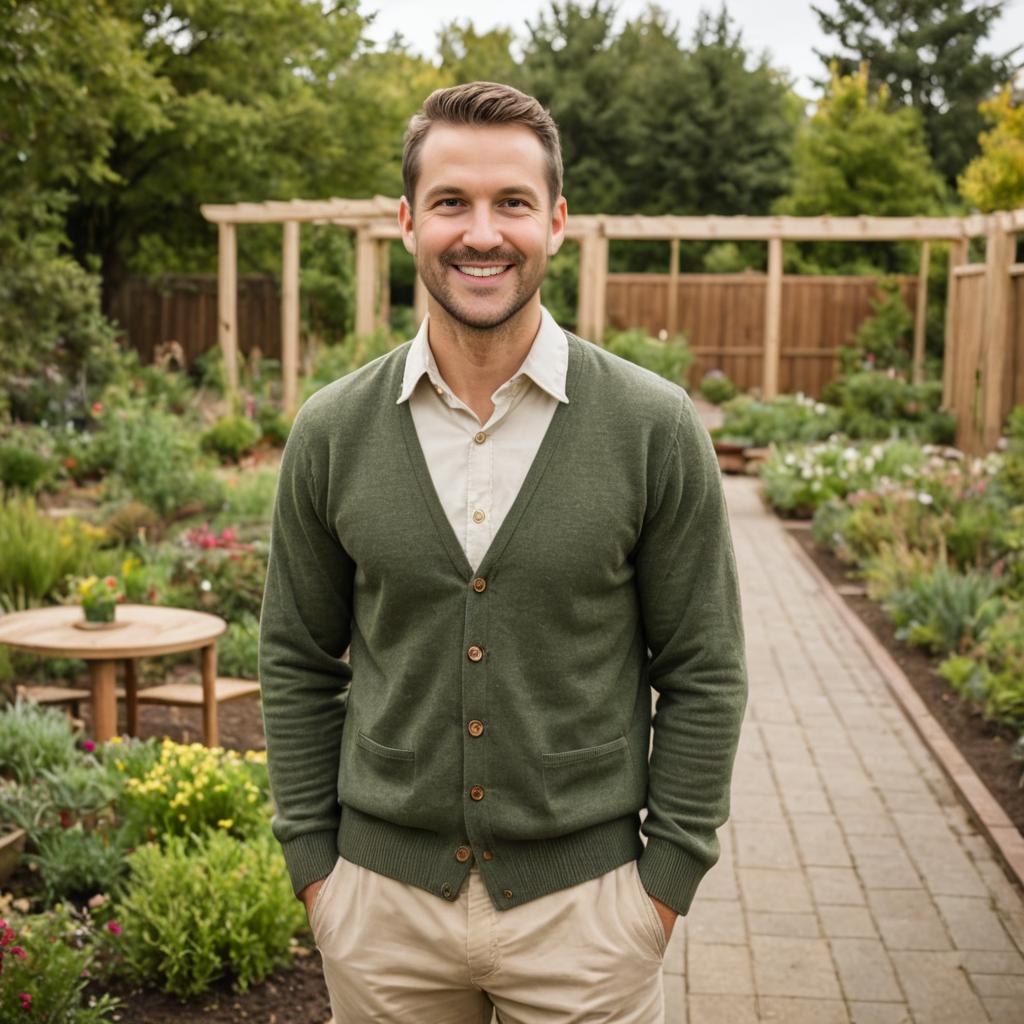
<point x="478" y="468"/>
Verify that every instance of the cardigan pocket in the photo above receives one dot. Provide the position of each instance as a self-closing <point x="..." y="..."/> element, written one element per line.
<point x="589" y="785"/>
<point x="376" y="779"/>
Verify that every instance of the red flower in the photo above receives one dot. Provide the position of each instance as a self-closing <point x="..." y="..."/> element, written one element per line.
<point x="97" y="408"/>
<point x="70" y="462"/>
<point x="26" y="1000"/>
<point x="18" y="952"/>
<point x="114" y="928"/>
<point x="111" y="582"/>
<point x="65" y="819"/>
<point x="228" y="536"/>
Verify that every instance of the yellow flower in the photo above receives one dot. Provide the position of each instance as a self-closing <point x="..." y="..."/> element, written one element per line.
<point x="116" y="739"/>
<point x="225" y="823"/>
<point x="182" y="817"/>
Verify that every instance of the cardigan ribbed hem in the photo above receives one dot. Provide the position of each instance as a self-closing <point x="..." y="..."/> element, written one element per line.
<point x="518" y="871"/>
<point x="310" y="857"/>
<point x="670" y="874"/>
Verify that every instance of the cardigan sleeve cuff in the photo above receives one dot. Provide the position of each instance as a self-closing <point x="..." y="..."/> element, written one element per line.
<point x="670" y="874"/>
<point x="310" y="857"/>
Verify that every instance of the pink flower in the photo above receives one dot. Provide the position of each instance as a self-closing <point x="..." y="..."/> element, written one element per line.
<point x="18" y="952"/>
<point x="114" y="928"/>
<point x="88" y="746"/>
<point x="228" y="535"/>
<point x="26" y="1000"/>
<point x="97" y="408"/>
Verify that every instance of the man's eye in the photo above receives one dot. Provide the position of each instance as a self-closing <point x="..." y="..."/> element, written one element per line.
<point x="453" y="201"/>
<point x="521" y="203"/>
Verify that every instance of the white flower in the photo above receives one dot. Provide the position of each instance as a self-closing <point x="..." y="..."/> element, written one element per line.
<point x="790" y="459"/>
<point x="925" y="498"/>
<point x="820" y="408"/>
<point x="206" y="585"/>
<point x="806" y="473"/>
<point x="850" y="454"/>
<point x="869" y="463"/>
<point x="877" y="451"/>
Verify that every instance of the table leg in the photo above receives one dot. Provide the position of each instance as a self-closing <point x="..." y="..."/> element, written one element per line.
<point x="209" y="659"/>
<point x="131" y="695"/>
<point x="104" y="699"/>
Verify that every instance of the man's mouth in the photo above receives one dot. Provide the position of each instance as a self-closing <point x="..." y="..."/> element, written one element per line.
<point x="482" y="271"/>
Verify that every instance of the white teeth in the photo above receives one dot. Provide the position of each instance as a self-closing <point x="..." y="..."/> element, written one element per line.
<point x="482" y="271"/>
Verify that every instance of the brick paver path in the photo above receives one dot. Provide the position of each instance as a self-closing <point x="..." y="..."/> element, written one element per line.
<point x="851" y="885"/>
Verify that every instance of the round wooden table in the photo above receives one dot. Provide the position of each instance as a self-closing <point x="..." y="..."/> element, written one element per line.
<point x="141" y="630"/>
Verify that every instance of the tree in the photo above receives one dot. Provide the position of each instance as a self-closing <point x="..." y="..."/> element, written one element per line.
<point x="471" y="56"/>
<point x="994" y="180"/>
<point x="860" y="154"/>
<point x="928" y="53"/>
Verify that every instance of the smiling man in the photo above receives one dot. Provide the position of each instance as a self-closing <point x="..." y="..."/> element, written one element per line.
<point x="519" y="536"/>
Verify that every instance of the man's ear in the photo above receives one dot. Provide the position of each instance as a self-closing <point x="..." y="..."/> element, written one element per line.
<point x="559" y="219"/>
<point x="405" y="223"/>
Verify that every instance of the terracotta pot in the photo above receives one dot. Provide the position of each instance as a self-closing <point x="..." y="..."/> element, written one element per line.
<point x="12" y="845"/>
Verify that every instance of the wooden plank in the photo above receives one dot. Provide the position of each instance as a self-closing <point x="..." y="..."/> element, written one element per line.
<point x="584" y="291"/>
<point x="772" y="320"/>
<point x="366" y="282"/>
<point x="227" y="303"/>
<point x="290" y="317"/>
<point x="672" y="310"/>
<point x="921" y="313"/>
<point x="999" y="252"/>
<point x="957" y="260"/>
<point x="600" y="287"/>
<point x="968" y="269"/>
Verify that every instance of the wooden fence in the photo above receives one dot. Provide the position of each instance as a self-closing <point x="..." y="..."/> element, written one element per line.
<point x="723" y="317"/>
<point x="183" y="308"/>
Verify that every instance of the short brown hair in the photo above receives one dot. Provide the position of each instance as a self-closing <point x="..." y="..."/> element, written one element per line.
<point x="481" y="103"/>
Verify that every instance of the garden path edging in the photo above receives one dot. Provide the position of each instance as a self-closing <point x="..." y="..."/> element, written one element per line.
<point x="982" y="807"/>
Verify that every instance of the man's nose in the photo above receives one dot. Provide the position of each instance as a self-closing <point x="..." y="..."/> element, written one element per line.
<point x="482" y="233"/>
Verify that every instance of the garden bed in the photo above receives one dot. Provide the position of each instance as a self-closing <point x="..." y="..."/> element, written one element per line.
<point x="985" y="745"/>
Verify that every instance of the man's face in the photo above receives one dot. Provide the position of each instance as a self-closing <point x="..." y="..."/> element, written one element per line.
<point x="483" y="228"/>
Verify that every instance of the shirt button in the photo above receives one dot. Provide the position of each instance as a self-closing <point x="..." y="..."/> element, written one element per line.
<point x="479" y="515"/>
<point x="480" y="437"/>
<point x="477" y="793"/>
<point x="507" y="894"/>
<point x="488" y="855"/>
<point x="479" y="584"/>
<point x="462" y="854"/>
<point x="476" y="728"/>
<point x="475" y="653"/>
<point x="440" y="391"/>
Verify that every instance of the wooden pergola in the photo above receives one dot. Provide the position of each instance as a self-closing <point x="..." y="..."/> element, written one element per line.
<point x="375" y="223"/>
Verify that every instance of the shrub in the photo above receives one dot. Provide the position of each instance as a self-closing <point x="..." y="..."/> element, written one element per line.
<point x="34" y="739"/>
<point x="356" y="350"/>
<point x="231" y="437"/>
<point x="73" y="862"/>
<point x="46" y="962"/>
<point x="40" y="553"/>
<point x="716" y="387"/>
<point x="273" y="424"/>
<point x="199" y="909"/>
<point x="23" y="469"/>
<point x="239" y="648"/>
<point x="248" y="496"/>
<point x="788" y="418"/>
<point x="194" y="788"/>
<point x="1011" y="478"/>
<point x="669" y="358"/>
<point x="884" y="339"/>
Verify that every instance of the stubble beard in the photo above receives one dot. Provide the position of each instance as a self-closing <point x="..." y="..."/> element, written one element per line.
<point x="435" y="280"/>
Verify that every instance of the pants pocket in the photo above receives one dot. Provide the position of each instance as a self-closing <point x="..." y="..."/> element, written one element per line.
<point x="655" y="929"/>
<point x="320" y="902"/>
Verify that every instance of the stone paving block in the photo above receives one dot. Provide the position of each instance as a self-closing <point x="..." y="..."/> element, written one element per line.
<point x="718" y="969"/>
<point x="864" y="805"/>
<point x="973" y="924"/>
<point x="782" y="891"/>
<point x="856" y="824"/>
<point x="796" y="926"/>
<point x="848" y="782"/>
<point x="713" y="921"/>
<point x="835" y="885"/>
<point x="755" y="807"/>
<point x="864" y="970"/>
<point x="879" y="1013"/>
<point x="806" y="801"/>
<point x="1003" y="1011"/>
<point x="847" y="923"/>
<point x="763" y="845"/>
<point x="1006" y="986"/>
<point x="804" y="1011"/>
<point x="820" y="841"/>
<point x="978" y="961"/>
<point x="908" y="920"/>
<point x="946" y="869"/>
<point x="794" y="967"/>
<point x="798" y="776"/>
<point x="887" y="872"/>
<point x="937" y="989"/>
<point x="907" y="799"/>
<point x="717" y="1009"/>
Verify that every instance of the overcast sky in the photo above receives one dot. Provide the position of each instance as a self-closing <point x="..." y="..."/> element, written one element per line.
<point x="788" y="29"/>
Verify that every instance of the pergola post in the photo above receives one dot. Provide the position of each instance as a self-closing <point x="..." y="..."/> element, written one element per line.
<point x="921" y="313"/>
<point x="599" y="287"/>
<point x="227" y="302"/>
<point x="383" y="296"/>
<point x="672" y="313"/>
<point x="585" y="287"/>
<point x="366" y="281"/>
<point x="957" y="258"/>
<point x="290" y="317"/>
<point x="772" y="321"/>
<point x="996" y="323"/>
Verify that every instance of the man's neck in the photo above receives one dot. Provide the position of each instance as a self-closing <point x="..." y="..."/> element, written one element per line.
<point x="475" y="363"/>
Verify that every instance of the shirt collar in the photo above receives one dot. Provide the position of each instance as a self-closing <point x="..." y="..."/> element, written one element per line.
<point x="546" y="364"/>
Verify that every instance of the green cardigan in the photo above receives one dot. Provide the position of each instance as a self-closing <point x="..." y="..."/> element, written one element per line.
<point x="503" y="717"/>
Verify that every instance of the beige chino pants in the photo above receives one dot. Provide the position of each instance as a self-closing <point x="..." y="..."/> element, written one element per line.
<point x="395" y="953"/>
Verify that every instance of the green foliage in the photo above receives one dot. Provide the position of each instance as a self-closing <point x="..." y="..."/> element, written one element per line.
<point x="994" y="180"/>
<point x="1011" y="476"/>
<point x="192" y="789"/>
<point x="23" y="469"/>
<point x="931" y="55"/>
<point x="716" y="387"/>
<point x="669" y="358"/>
<point x="62" y="950"/>
<point x="231" y="437"/>
<point x="356" y="350"/>
<point x="880" y="404"/>
<point x="884" y="339"/>
<point x="197" y="910"/>
<point x="34" y="739"/>
<point x="248" y="497"/>
<point x="75" y="863"/>
<point x="239" y="648"/>
<point x="788" y="418"/>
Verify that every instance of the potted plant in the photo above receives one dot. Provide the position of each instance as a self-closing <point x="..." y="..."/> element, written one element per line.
<point x="99" y="599"/>
<point x="12" y="845"/>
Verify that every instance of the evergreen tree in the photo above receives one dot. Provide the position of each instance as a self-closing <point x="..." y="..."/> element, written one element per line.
<point x="928" y="53"/>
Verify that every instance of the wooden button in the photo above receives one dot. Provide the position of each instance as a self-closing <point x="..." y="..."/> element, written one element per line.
<point x="488" y="855"/>
<point x="463" y="853"/>
<point x="479" y="584"/>
<point x="475" y="653"/>
<point x="507" y="894"/>
<point x="477" y="793"/>
<point x="476" y="727"/>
